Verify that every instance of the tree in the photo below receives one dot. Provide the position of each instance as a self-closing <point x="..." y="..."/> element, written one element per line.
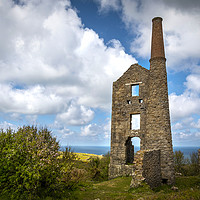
<point x="30" y="165"/>
<point x="179" y="161"/>
<point x="194" y="165"/>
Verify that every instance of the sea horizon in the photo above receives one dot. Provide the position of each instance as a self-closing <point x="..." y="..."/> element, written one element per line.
<point x="102" y="150"/>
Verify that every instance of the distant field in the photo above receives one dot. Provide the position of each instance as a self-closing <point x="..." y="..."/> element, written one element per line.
<point x="85" y="157"/>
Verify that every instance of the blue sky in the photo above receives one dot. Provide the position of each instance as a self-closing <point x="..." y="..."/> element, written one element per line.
<point x="58" y="59"/>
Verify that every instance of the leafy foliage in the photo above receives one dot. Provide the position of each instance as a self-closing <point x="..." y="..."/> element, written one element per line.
<point x="179" y="161"/>
<point x="188" y="167"/>
<point x="30" y="166"/>
<point x="99" y="167"/>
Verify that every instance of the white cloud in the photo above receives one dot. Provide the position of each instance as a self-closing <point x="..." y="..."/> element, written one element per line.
<point x="65" y="132"/>
<point x="6" y="125"/>
<point x="186" y="104"/>
<point x="32" y="100"/>
<point x="177" y="126"/>
<point x="107" y="129"/>
<point x="90" y="130"/>
<point x="196" y="125"/>
<point x="96" y="131"/>
<point x="186" y="137"/>
<point x="52" y="59"/>
<point x="14" y="116"/>
<point x="186" y="131"/>
<point x="181" y="28"/>
<point x="75" y="115"/>
<point x="49" y="59"/>
<point x="106" y="5"/>
<point x="193" y="82"/>
<point x="183" y="105"/>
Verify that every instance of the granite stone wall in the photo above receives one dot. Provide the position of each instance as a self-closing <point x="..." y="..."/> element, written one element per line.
<point x="147" y="168"/>
<point x="158" y="128"/>
<point x="123" y="106"/>
<point x="152" y="168"/>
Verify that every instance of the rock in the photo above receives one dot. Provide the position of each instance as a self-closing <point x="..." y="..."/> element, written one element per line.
<point x="178" y="174"/>
<point x="174" y="188"/>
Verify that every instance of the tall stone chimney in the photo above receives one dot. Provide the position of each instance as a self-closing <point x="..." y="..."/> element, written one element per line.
<point x="157" y="44"/>
<point x="158" y="126"/>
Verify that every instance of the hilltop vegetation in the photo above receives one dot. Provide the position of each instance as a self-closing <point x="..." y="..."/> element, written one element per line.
<point x="118" y="189"/>
<point x="33" y="167"/>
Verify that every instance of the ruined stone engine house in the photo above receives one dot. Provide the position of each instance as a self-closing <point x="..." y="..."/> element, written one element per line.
<point x="140" y="108"/>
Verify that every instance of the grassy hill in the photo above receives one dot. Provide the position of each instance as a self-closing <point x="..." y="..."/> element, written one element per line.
<point x="86" y="157"/>
<point x="118" y="189"/>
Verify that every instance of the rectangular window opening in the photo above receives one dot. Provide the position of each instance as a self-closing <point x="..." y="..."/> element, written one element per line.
<point x="135" y="121"/>
<point x="135" y="90"/>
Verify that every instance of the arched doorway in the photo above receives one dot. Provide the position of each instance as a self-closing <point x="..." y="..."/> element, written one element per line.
<point x="136" y="143"/>
<point x="132" y="146"/>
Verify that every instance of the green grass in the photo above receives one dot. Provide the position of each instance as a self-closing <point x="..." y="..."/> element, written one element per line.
<point x="118" y="189"/>
<point x="188" y="188"/>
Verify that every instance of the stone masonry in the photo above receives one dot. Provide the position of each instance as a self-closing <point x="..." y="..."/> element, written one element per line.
<point x="150" y="106"/>
<point x="147" y="168"/>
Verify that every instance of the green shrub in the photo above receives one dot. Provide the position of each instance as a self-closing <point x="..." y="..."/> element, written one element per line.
<point x="179" y="161"/>
<point x="99" y="167"/>
<point x="192" y="167"/>
<point x="30" y="166"/>
<point x="189" y="166"/>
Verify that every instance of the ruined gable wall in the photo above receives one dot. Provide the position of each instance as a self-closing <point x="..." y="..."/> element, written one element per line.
<point x="121" y="112"/>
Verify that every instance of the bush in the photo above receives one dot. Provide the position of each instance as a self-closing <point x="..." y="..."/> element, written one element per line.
<point x="179" y="161"/>
<point x="99" y="167"/>
<point x="189" y="166"/>
<point x="30" y="166"/>
<point x="192" y="168"/>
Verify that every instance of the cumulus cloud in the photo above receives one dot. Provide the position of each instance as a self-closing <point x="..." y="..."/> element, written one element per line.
<point x="191" y="138"/>
<point x="48" y="59"/>
<point x="181" y="28"/>
<point x="32" y="100"/>
<point x="65" y="132"/>
<point x="6" y="125"/>
<point x="75" y="115"/>
<point x="191" y="5"/>
<point x="196" y="125"/>
<point x="96" y="131"/>
<point x="90" y="130"/>
<point x="187" y="103"/>
<point x="183" y="105"/>
<point x="107" y="5"/>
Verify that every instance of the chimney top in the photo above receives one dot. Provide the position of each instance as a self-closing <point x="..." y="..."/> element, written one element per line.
<point x="157" y="18"/>
<point x="157" y="44"/>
